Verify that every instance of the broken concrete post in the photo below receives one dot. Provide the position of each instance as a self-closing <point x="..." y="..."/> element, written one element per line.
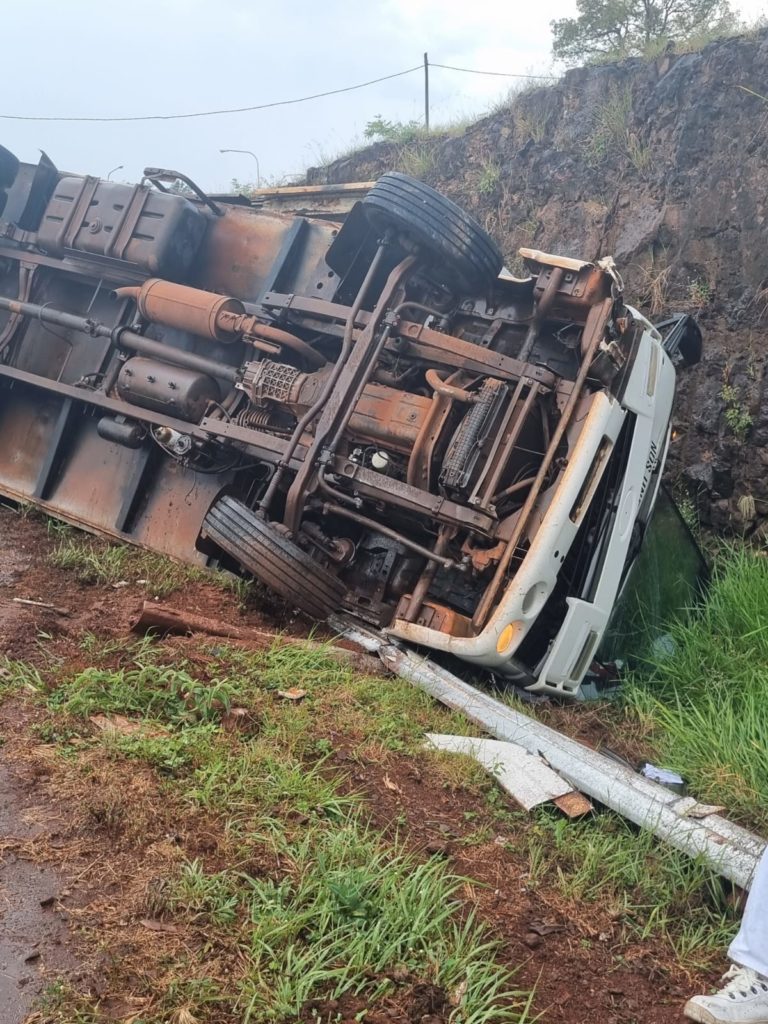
<point x="728" y="849"/>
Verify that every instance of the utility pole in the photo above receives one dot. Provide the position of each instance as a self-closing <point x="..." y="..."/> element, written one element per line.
<point x="426" y="91"/>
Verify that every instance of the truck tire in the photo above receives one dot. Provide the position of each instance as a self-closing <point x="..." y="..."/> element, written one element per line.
<point x="273" y="559"/>
<point x="460" y="248"/>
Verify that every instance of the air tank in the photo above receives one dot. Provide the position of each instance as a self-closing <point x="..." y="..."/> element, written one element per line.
<point x="173" y="390"/>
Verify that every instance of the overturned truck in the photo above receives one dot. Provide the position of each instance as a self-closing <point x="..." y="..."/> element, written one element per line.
<point x="367" y="414"/>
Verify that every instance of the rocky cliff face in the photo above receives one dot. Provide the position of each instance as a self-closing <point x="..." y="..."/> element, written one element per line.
<point x="663" y="165"/>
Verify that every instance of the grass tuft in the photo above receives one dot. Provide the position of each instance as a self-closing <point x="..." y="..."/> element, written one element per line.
<point x="349" y="914"/>
<point x="705" y="706"/>
<point x="18" y="675"/>
<point x="612" y="132"/>
<point x="644" y="888"/>
<point x="95" y="561"/>
<point x="99" y="562"/>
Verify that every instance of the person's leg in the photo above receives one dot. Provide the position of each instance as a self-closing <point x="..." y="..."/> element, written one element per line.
<point x="750" y="947"/>
<point x="744" y="997"/>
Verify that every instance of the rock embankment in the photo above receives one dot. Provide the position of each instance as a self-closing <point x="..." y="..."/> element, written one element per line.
<point x="664" y="165"/>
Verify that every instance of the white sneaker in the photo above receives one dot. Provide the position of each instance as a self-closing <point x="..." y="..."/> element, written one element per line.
<point x="742" y="1000"/>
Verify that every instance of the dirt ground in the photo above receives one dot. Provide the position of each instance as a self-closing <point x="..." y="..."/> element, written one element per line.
<point x="74" y="894"/>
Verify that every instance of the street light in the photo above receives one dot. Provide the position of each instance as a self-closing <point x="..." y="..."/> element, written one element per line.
<point x="118" y="168"/>
<point x="249" y="153"/>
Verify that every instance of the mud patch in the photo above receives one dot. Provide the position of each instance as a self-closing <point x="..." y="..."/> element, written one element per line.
<point x="14" y="564"/>
<point x="34" y="937"/>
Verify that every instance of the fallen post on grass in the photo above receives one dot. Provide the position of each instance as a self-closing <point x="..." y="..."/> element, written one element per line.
<point x="526" y="777"/>
<point x="726" y="848"/>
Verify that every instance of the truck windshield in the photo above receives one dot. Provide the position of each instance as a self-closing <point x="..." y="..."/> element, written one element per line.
<point x="665" y="582"/>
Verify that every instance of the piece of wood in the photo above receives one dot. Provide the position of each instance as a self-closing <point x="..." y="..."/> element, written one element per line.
<point x="161" y="618"/>
<point x="41" y="604"/>
<point x="574" y="804"/>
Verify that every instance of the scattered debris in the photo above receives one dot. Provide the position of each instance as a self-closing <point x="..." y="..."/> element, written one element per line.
<point x="116" y="723"/>
<point x="124" y="726"/>
<point x="573" y="804"/>
<point x="526" y="777"/>
<point x="547" y="927"/>
<point x="392" y="786"/>
<point x="665" y="777"/>
<point x="458" y="993"/>
<point x="238" y="719"/>
<point x="691" y="808"/>
<point x="293" y="694"/>
<point x="42" y="604"/>
<point x="728" y="849"/>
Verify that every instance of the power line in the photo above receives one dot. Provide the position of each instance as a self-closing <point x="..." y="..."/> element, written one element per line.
<point x="499" y="74"/>
<point x="276" y="103"/>
<point x="213" y="113"/>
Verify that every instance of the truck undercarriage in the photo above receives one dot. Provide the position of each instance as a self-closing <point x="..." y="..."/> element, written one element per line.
<point x="365" y="414"/>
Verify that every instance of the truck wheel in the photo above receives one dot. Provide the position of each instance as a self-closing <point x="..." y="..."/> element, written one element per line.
<point x="273" y="559"/>
<point x="463" y="251"/>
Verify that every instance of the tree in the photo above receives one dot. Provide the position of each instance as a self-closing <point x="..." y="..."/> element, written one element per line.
<point x="382" y="130"/>
<point x="612" y="29"/>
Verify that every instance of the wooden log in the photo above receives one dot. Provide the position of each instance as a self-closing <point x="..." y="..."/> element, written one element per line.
<point x="161" y="618"/>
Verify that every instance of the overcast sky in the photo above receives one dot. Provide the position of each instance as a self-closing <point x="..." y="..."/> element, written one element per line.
<point x="96" y="58"/>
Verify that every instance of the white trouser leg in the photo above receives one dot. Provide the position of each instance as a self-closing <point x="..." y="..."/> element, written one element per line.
<point x="750" y="947"/>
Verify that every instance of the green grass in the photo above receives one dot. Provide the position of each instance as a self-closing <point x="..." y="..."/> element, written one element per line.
<point x="644" y="889"/>
<point x="706" y="705"/>
<point x="17" y="675"/>
<point x="313" y="903"/>
<point x="489" y="178"/>
<point x="353" y="908"/>
<point x="612" y="132"/>
<point x="162" y="693"/>
<point x="175" y="700"/>
<point x="338" y="909"/>
<point x="95" y="561"/>
<point x="703" y="708"/>
<point x="99" y="562"/>
<point x="348" y="914"/>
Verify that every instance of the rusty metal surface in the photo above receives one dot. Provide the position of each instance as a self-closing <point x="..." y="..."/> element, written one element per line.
<point x="241" y="250"/>
<point x="388" y="415"/>
<point x="596" y="323"/>
<point x="435" y="348"/>
<point x="331" y="201"/>
<point x="160" y="352"/>
<point x="188" y="309"/>
<point x="340" y="402"/>
<point x="413" y="499"/>
<point x="87" y="481"/>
